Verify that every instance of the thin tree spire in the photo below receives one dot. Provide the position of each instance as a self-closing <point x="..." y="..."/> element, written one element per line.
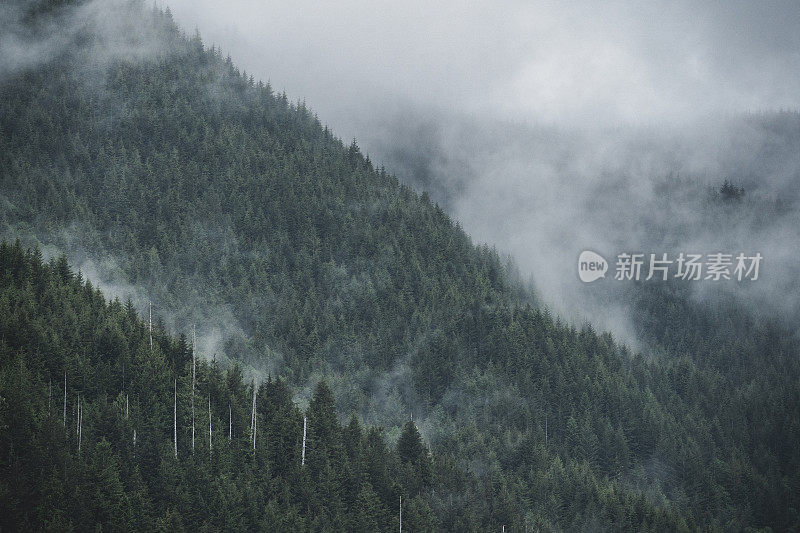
<point x="150" y="327"/>
<point x="303" y="452"/>
<point x="194" y="366"/>
<point x="253" y="416"/>
<point x="175" y="419"/>
<point x="65" y="398"/>
<point x="80" y="424"/>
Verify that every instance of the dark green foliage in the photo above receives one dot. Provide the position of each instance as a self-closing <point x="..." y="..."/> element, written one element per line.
<point x="53" y="321"/>
<point x="369" y="511"/>
<point x="212" y="192"/>
<point x="416" y="465"/>
<point x="729" y="192"/>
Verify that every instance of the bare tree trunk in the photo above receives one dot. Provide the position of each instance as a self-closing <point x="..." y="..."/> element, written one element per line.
<point x="253" y="411"/>
<point x="303" y="455"/>
<point x="126" y="407"/>
<point x="175" y="420"/>
<point x="80" y="424"/>
<point x="194" y="365"/>
<point x="253" y="417"/>
<point x="65" y="398"/>
<point x="230" y="423"/>
<point x="151" y="326"/>
<point x="209" y="424"/>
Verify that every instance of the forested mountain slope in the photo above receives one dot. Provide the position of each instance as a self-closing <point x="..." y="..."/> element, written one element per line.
<point x="219" y="198"/>
<point x="96" y="429"/>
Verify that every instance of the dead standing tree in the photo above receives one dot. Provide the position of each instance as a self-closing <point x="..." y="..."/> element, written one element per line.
<point x="175" y="419"/>
<point x="194" y="374"/>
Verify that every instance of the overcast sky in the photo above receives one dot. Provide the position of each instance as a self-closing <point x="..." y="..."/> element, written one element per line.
<point x="577" y="62"/>
<point x="546" y="127"/>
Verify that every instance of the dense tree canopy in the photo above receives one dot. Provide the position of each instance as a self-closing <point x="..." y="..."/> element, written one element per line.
<point x="219" y="198"/>
<point x="87" y="429"/>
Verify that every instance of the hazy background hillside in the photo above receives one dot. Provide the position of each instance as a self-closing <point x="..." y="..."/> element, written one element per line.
<point x="526" y="119"/>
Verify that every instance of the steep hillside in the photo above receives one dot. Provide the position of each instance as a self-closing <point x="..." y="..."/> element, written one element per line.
<point x="232" y="208"/>
<point x="96" y="429"/>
